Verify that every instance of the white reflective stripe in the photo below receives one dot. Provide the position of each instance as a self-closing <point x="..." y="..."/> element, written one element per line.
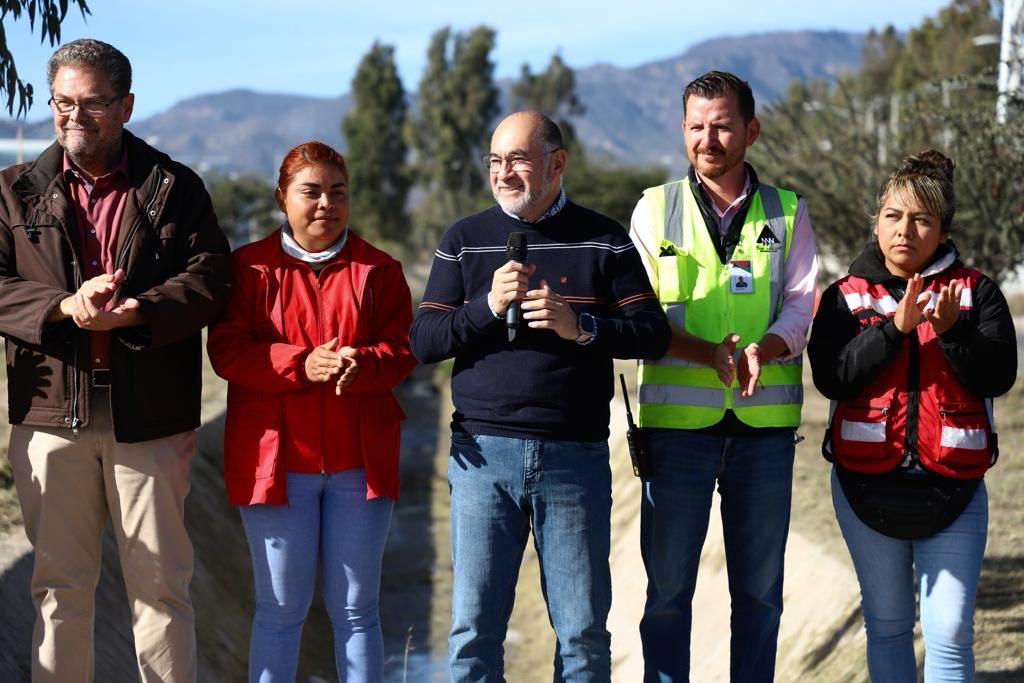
<point x="871" y="432"/>
<point x="781" y="394"/>
<point x="857" y="301"/>
<point x="706" y="397"/>
<point x="966" y="300"/>
<point x="772" y="207"/>
<point x="673" y="212"/>
<point x="672" y="362"/>
<point x="673" y="394"/>
<point x="970" y="439"/>
<point x="676" y="313"/>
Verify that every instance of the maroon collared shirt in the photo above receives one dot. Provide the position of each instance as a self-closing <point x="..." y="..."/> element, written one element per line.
<point x="99" y="206"/>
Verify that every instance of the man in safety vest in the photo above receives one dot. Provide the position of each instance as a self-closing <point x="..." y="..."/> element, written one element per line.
<point x="733" y="263"/>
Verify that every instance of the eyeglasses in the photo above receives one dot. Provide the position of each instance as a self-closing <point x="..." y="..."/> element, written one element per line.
<point x="515" y="162"/>
<point x="94" y="108"/>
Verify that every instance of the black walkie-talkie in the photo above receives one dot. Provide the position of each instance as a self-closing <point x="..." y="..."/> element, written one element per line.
<point x="635" y="439"/>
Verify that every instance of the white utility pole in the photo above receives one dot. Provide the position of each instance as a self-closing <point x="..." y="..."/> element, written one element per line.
<point x="1011" y="56"/>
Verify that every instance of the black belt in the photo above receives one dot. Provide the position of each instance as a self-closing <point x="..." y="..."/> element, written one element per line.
<point x="101" y="377"/>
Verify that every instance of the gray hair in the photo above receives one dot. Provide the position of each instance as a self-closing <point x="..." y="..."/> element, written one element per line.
<point x="548" y="132"/>
<point x="95" y="54"/>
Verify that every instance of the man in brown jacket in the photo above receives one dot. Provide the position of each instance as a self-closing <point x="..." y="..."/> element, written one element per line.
<point x="111" y="263"/>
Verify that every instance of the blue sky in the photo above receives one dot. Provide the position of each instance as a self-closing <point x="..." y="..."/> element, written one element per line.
<point x="183" y="48"/>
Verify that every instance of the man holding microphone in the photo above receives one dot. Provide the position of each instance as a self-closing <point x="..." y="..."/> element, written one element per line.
<point x="530" y="428"/>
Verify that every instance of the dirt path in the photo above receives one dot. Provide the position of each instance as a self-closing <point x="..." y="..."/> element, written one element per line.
<point x="820" y="593"/>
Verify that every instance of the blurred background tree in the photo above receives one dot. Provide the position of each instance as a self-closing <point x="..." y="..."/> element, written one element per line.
<point x="933" y="87"/>
<point x="245" y="207"/>
<point x="590" y="181"/>
<point x="456" y="104"/>
<point x="376" y="154"/>
<point x="50" y="14"/>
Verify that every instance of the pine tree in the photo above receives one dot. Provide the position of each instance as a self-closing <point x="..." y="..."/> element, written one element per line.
<point x="376" y="152"/>
<point x="609" y="189"/>
<point x="457" y="102"/>
<point x="553" y="93"/>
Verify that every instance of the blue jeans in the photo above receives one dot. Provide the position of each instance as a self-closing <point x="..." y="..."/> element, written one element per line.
<point x="327" y="521"/>
<point x="948" y="567"/>
<point x="500" y="487"/>
<point x="754" y="476"/>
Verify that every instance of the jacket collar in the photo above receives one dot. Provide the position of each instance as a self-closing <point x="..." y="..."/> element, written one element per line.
<point x="870" y="264"/>
<point x="46" y="169"/>
<point x="725" y="246"/>
<point x="268" y="250"/>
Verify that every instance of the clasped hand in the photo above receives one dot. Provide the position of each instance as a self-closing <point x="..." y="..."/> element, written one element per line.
<point x="324" y="364"/>
<point x="87" y="306"/>
<point x="911" y="307"/>
<point x="543" y="309"/>
<point x="724" y="361"/>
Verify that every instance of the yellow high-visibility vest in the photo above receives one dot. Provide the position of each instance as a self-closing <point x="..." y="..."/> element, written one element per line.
<point x="709" y="299"/>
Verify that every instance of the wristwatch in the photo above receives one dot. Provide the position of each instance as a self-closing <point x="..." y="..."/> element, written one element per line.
<point x="586" y="327"/>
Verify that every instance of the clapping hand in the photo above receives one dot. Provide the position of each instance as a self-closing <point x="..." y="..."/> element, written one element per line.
<point x="947" y="307"/>
<point x="912" y="307"/>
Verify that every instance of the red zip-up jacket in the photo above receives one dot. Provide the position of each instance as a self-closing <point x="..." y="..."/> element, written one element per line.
<point x="279" y="310"/>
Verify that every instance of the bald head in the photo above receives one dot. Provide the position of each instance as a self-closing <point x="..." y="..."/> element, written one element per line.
<point x="528" y="180"/>
<point x="542" y="129"/>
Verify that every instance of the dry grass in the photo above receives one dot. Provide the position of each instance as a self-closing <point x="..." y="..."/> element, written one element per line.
<point x="999" y="620"/>
<point x="1016" y="302"/>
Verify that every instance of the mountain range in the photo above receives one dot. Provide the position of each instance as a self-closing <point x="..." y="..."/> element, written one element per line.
<point x="631" y="114"/>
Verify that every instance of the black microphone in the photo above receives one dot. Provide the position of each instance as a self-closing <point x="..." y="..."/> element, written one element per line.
<point x="515" y="250"/>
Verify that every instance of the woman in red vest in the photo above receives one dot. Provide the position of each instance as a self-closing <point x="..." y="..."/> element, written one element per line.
<point x="314" y="340"/>
<point x="911" y="347"/>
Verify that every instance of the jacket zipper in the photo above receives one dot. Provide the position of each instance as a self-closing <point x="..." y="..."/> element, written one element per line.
<point x="320" y="340"/>
<point x="73" y="421"/>
<point x="122" y="257"/>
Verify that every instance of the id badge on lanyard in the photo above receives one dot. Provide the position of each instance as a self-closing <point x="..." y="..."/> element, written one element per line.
<point x="741" y="277"/>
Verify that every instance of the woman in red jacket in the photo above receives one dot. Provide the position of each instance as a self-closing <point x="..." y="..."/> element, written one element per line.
<point x="314" y="340"/>
<point x="912" y="346"/>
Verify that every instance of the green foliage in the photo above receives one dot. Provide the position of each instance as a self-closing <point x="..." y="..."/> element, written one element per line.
<point x="611" y="190"/>
<point x="51" y="14"/>
<point x="376" y="149"/>
<point x="934" y="88"/>
<point x="552" y="93"/>
<point x="245" y="207"/>
<point x="457" y="101"/>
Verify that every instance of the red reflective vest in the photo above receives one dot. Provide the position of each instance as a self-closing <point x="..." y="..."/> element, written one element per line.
<point x="916" y="409"/>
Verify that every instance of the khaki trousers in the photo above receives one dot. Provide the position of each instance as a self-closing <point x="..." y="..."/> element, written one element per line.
<point x="68" y="489"/>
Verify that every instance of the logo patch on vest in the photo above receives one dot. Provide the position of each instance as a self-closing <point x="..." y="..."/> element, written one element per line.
<point x="767" y="241"/>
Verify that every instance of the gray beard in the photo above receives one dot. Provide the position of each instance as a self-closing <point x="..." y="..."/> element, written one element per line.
<point x="519" y="206"/>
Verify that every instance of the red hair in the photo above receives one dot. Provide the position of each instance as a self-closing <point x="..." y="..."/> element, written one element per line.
<point x="308" y="154"/>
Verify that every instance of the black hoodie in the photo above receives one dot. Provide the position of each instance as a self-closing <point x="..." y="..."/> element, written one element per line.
<point x="981" y="348"/>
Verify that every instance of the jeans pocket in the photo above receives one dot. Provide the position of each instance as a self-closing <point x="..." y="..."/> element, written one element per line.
<point x="466" y="451"/>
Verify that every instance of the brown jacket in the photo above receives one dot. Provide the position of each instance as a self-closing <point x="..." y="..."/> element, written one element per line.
<point x="175" y="259"/>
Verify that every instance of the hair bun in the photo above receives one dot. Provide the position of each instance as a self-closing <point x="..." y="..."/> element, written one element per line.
<point x="930" y="162"/>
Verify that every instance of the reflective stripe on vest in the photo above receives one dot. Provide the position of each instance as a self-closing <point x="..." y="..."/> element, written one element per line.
<point x="938" y="421"/>
<point x="694" y="288"/>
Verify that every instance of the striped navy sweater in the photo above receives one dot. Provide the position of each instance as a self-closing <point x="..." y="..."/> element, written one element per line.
<point x="539" y="386"/>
